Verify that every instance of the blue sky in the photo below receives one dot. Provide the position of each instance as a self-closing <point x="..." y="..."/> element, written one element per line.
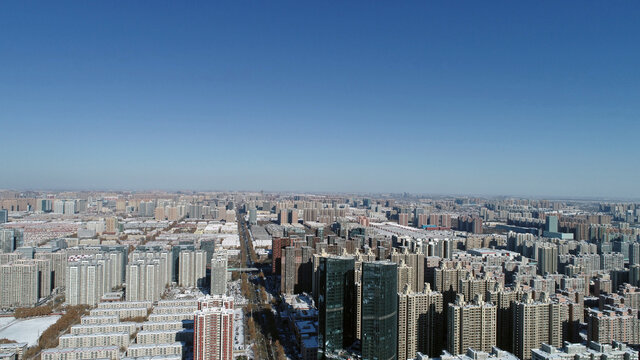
<point x="506" y="97"/>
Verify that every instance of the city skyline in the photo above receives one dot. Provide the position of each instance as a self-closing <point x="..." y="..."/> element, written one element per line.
<point x="186" y="191"/>
<point x="284" y="276"/>
<point x="490" y="99"/>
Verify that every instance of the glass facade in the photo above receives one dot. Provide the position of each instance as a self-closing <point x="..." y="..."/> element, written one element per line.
<point x="379" y="310"/>
<point x="336" y="304"/>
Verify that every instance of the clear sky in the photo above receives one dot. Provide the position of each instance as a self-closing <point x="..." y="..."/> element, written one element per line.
<point x="466" y="97"/>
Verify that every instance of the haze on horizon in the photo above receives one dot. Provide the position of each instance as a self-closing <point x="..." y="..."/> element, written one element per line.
<point x="527" y="98"/>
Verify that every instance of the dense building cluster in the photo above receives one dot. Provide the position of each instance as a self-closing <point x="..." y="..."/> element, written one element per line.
<point x="331" y="276"/>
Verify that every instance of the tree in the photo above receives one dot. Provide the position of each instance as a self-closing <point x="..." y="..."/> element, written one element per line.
<point x="280" y="354"/>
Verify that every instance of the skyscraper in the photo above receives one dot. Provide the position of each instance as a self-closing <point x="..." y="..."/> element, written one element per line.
<point x="84" y="282"/>
<point x="634" y="253"/>
<point x="69" y="207"/>
<point x="192" y="268"/>
<point x="606" y="326"/>
<point x="547" y="258"/>
<point x="551" y="224"/>
<point x="11" y="239"/>
<point x="505" y="300"/>
<point x="278" y="244"/>
<point x="447" y="280"/>
<point x="213" y="334"/>
<point x="416" y="262"/>
<point x="296" y="270"/>
<point x="379" y="310"/>
<point x="145" y="280"/>
<point x="470" y="325"/>
<point x="19" y="284"/>
<point x="111" y="225"/>
<point x="253" y="216"/>
<point x="336" y="304"/>
<point x="4" y="216"/>
<point x="219" y="273"/>
<point x="58" y="261"/>
<point x="535" y="322"/>
<point x="420" y="323"/>
<point x="403" y="219"/>
<point x="58" y="207"/>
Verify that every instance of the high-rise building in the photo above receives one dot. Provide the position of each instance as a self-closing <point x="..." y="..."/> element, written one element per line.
<point x="535" y="323"/>
<point x="11" y="239"/>
<point x="403" y="219"/>
<point x="4" y="216"/>
<point x="634" y="275"/>
<point x="253" y="216"/>
<point x="84" y="282"/>
<point x="447" y="280"/>
<point x="119" y="255"/>
<point x="43" y="205"/>
<point x="121" y="205"/>
<point x="80" y="205"/>
<point x="213" y="334"/>
<point x="58" y="265"/>
<point x="19" y="284"/>
<point x="379" y="310"/>
<point x="43" y="273"/>
<point x="634" y="253"/>
<point x="423" y="219"/>
<point x="293" y="216"/>
<point x="471" y="325"/>
<point x="278" y="244"/>
<point x="420" y="323"/>
<point x="58" y="207"/>
<point x="159" y="213"/>
<point x="415" y="260"/>
<point x="192" y="268"/>
<point x="175" y="256"/>
<point x="111" y="225"/>
<point x="283" y="216"/>
<point x="195" y="211"/>
<point x="336" y="304"/>
<point x="297" y="270"/>
<point x="504" y="300"/>
<point x="69" y="207"/>
<point x="219" y="273"/>
<point x="145" y="280"/>
<point x="606" y="326"/>
<point x="172" y="213"/>
<point x="547" y="258"/>
<point x="551" y="224"/>
<point x="405" y="276"/>
<point x="146" y="208"/>
<point x="477" y="286"/>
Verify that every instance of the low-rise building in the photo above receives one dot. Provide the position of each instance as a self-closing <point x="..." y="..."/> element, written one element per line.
<point x="102" y="352"/>
<point x="128" y="327"/>
<point x="93" y="340"/>
<point x="138" y="350"/>
<point x="594" y="351"/>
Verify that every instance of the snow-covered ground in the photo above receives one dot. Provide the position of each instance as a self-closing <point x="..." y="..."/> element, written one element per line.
<point x="233" y="289"/>
<point x="5" y="320"/>
<point x="27" y="330"/>
<point x="238" y="329"/>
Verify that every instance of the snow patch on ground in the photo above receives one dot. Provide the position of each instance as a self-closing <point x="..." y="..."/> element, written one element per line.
<point x="5" y="320"/>
<point x="238" y="329"/>
<point x="28" y="330"/>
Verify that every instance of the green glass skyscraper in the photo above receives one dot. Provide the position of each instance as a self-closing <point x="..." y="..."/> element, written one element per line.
<point x="379" y="310"/>
<point x="336" y="304"/>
